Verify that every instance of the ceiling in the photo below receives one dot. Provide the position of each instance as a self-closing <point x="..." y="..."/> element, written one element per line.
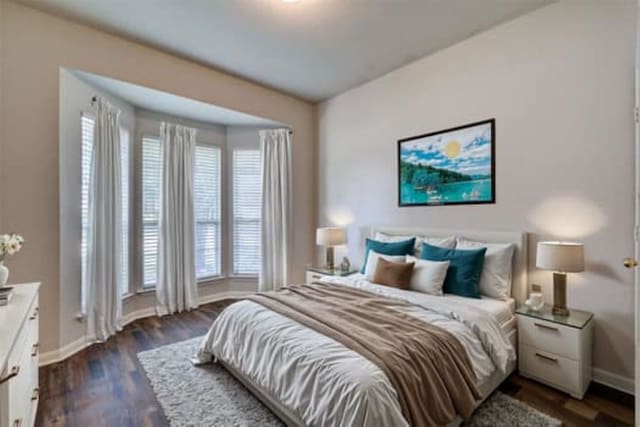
<point x="167" y="103"/>
<point x="313" y="49"/>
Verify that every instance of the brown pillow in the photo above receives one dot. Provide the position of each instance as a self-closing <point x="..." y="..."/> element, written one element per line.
<point x="394" y="274"/>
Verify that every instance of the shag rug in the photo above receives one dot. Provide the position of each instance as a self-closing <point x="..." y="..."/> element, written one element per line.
<point x="208" y="395"/>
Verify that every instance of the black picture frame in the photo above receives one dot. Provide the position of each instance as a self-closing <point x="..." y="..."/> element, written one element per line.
<point x="471" y="200"/>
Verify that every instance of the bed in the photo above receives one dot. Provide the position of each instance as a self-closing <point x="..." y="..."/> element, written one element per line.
<point x="306" y="378"/>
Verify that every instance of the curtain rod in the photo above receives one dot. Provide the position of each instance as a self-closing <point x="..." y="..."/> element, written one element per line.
<point x="94" y="98"/>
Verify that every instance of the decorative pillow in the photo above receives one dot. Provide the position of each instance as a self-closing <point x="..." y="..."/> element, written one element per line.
<point x="495" y="280"/>
<point x="463" y="275"/>
<point x="428" y="276"/>
<point x="372" y="263"/>
<point x="394" y="274"/>
<point x="448" y="242"/>
<point x="404" y="247"/>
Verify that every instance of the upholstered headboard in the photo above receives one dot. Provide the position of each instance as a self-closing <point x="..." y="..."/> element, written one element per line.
<point x="518" y="238"/>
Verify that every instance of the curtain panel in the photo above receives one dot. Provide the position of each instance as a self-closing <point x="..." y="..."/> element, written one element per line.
<point x="275" y="148"/>
<point x="103" y="303"/>
<point x="176" y="285"/>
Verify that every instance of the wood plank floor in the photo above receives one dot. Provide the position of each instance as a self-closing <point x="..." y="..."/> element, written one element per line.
<point x="104" y="385"/>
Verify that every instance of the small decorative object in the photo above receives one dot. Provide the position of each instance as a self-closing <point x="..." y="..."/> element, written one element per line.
<point x="450" y="167"/>
<point x="345" y="265"/>
<point x="561" y="258"/>
<point x="535" y="301"/>
<point x="330" y="237"/>
<point x="10" y="244"/>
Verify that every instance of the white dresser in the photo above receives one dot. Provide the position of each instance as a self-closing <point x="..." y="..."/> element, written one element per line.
<point x="556" y="350"/>
<point x="19" y="357"/>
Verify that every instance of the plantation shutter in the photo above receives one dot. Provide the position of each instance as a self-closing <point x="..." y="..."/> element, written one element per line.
<point x="206" y="186"/>
<point x="247" y="189"/>
<point x="151" y="183"/>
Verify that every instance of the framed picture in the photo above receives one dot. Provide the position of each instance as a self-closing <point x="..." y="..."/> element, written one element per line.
<point x="450" y="167"/>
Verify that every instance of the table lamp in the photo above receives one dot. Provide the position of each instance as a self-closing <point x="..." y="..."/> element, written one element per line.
<point x="561" y="258"/>
<point x="330" y="237"/>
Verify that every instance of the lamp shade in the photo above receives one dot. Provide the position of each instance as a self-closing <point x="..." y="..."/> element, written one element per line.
<point x="331" y="236"/>
<point x="560" y="256"/>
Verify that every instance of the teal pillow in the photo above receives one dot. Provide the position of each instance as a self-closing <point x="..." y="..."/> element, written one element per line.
<point x="465" y="268"/>
<point x="403" y="247"/>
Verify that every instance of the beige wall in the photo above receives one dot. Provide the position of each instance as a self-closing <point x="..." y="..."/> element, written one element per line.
<point x="35" y="46"/>
<point x="560" y="83"/>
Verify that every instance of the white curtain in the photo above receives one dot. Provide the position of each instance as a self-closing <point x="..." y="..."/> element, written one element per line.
<point x="103" y="300"/>
<point x="275" y="147"/>
<point x="176" y="287"/>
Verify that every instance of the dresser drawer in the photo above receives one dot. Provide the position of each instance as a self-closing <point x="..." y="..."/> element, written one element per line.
<point x="548" y="336"/>
<point x="547" y="367"/>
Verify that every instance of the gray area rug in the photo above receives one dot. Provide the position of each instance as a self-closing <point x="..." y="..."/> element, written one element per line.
<point x="209" y="396"/>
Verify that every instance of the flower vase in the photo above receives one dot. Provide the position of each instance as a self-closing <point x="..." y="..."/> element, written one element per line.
<point x="4" y="274"/>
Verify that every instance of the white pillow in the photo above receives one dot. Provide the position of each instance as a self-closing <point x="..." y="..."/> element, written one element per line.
<point x="372" y="263"/>
<point x="428" y="276"/>
<point x="495" y="280"/>
<point x="448" y="242"/>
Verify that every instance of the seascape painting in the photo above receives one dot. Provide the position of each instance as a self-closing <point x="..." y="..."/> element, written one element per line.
<point x="452" y="166"/>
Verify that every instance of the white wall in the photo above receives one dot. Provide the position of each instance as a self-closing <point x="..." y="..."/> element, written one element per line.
<point x="35" y="45"/>
<point x="560" y="83"/>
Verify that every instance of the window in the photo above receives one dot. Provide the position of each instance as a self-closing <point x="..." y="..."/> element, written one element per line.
<point x="206" y="192"/>
<point x="247" y="189"/>
<point x="151" y="183"/>
<point x="87" y="124"/>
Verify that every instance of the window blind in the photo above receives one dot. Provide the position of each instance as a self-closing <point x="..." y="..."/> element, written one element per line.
<point x="87" y="124"/>
<point x="206" y="192"/>
<point x="151" y="183"/>
<point x="247" y="191"/>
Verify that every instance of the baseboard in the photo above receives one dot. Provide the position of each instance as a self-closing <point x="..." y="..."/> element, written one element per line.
<point x="68" y="350"/>
<point x="615" y="381"/>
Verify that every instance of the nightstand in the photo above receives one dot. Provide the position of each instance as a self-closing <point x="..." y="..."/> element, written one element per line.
<point x="315" y="274"/>
<point x="556" y="350"/>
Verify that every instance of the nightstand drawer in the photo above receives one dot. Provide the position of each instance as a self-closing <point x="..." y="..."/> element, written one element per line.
<point x="314" y="277"/>
<point x="549" y="336"/>
<point x="544" y="366"/>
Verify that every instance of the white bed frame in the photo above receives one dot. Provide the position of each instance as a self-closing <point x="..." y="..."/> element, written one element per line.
<point x="518" y="292"/>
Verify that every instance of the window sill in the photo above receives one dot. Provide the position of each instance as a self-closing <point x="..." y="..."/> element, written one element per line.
<point x="244" y="276"/>
<point x="210" y="280"/>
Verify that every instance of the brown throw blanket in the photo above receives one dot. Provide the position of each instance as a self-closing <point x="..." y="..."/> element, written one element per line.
<point x="428" y="367"/>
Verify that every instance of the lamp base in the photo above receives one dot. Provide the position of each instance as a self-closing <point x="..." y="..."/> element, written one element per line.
<point x="560" y="294"/>
<point x="328" y="264"/>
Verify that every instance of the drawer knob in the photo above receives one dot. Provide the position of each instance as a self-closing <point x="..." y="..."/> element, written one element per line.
<point x="34" y="350"/>
<point x="545" y="357"/>
<point x="17" y="423"/>
<point x="35" y="314"/>
<point x="12" y="373"/>
<point x="543" y="326"/>
<point x="35" y="394"/>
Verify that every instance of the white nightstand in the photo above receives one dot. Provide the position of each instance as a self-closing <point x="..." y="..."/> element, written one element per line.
<point x="556" y="350"/>
<point x="315" y="274"/>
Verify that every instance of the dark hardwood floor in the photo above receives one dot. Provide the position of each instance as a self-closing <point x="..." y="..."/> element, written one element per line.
<point x="104" y="385"/>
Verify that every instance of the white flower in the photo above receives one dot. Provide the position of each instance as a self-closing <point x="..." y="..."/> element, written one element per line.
<point x="10" y="244"/>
